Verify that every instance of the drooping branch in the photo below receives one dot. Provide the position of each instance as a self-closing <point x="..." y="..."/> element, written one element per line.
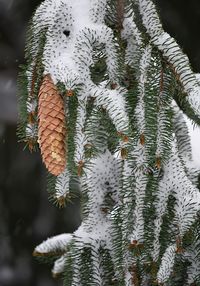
<point x="121" y="142"/>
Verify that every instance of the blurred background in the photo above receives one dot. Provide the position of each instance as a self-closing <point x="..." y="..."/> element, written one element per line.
<point x="26" y="215"/>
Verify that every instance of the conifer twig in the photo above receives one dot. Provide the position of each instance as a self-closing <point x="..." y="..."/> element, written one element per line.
<point x="120" y="13"/>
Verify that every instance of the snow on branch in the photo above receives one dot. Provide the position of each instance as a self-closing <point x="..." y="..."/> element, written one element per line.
<point x="164" y="191"/>
<point x="193" y="270"/>
<point x="167" y="264"/>
<point x="175" y="182"/>
<point x="139" y="153"/>
<point x="31" y="131"/>
<point x="80" y="138"/>
<point x="114" y="103"/>
<point x="184" y="144"/>
<point x="150" y="17"/>
<point x="140" y="109"/>
<point x="132" y="35"/>
<point x="69" y="46"/>
<point x="141" y="179"/>
<point x="53" y="246"/>
<point x="182" y="135"/>
<point x="187" y="195"/>
<point x="141" y="183"/>
<point x="172" y="52"/>
<point x="102" y="178"/>
<point x="98" y="10"/>
<point x="164" y="124"/>
<point x="62" y="187"/>
<point x="59" y="266"/>
<point x="86" y="58"/>
<point x="130" y="29"/>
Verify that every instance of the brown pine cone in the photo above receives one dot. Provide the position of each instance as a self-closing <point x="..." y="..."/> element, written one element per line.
<point x="51" y="127"/>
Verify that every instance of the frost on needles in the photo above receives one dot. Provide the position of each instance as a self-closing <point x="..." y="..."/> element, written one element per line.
<point x="103" y="95"/>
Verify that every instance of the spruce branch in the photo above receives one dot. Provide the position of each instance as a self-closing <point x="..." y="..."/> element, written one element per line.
<point x="101" y="77"/>
<point x="170" y="49"/>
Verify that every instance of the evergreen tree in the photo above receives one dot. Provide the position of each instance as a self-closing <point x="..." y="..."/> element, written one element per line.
<point x="104" y="94"/>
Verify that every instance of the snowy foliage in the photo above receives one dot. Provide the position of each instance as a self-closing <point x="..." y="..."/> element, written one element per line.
<point x="62" y="185"/>
<point x="123" y="88"/>
<point x="54" y="245"/>
<point x="167" y="263"/>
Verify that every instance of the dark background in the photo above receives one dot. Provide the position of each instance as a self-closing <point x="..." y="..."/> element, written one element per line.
<point x="26" y="216"/>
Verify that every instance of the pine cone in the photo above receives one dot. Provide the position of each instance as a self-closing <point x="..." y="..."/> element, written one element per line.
<point x="51" y="129"/>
